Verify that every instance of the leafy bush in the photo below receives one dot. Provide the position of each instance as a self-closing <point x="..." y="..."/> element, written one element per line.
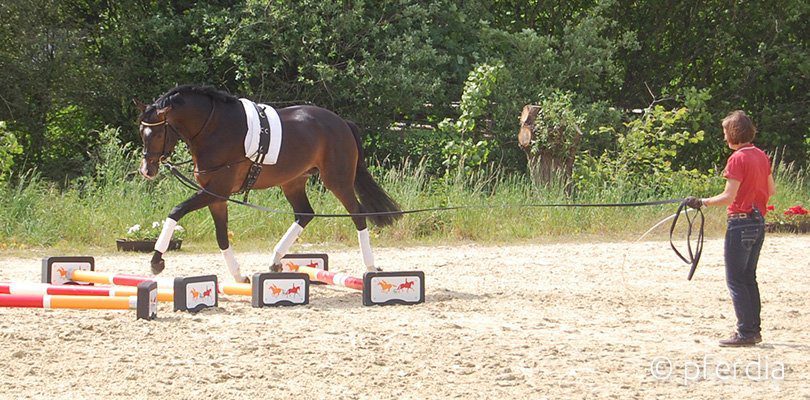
<point x="642" y="160"/>
<point x="9" y="147"/>
<point x="583" y="59"/>
<point x="556" y="140"/>
<point x="466" y="148"/>
<point x="69" y="135"/>
<point x="557" y="125"/>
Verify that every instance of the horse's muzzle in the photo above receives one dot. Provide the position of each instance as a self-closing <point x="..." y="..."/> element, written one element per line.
<point x="149" y="170"/>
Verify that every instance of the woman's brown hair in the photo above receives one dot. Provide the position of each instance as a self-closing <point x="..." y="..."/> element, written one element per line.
<point x="739" y="128"/>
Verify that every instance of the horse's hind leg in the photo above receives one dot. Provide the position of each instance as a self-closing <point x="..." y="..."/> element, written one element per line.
<point x="345" y="193"/>
<point x="296" y="194"/>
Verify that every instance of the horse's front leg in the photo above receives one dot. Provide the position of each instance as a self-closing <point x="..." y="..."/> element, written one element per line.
<point x="219" y="211"/>
<point x="195" y="202"/>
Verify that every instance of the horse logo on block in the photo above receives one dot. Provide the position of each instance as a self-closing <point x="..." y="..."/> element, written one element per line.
<point x="385" y="286"/>
<point x="293" y="291"/>
<point x="407" y="285"/>
<point x="195" y="293"/>
<point x="404" y="287"/>
<point x="280" y="289"/>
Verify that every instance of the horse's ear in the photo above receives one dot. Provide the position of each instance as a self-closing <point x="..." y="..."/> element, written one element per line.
<point x="173" y="100"/>
<point x="164" y="110"/>
<point x="141" y="105"/>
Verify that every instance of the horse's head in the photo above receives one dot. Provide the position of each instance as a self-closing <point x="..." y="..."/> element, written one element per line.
<point x="158" y="135"/>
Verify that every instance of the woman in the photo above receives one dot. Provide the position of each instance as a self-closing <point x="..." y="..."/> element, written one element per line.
<point x="749" y="186"/>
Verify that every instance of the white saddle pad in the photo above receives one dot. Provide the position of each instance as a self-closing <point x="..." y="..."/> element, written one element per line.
<point x="254" y="127"/>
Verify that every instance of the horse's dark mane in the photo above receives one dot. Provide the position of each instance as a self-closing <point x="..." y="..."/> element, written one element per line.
<point x="205" y="90"/>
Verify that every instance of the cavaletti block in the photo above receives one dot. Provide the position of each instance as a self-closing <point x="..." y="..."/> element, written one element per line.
<point x="273" y="289"/>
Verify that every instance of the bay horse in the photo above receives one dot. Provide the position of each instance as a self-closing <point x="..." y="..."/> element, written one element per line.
<point x="213" y="124"/>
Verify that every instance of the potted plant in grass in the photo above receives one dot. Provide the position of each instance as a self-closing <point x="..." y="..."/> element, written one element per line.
<point x="143" y="237"/>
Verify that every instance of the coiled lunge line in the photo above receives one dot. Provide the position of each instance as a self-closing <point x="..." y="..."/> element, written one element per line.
<point x="694" y="256"/>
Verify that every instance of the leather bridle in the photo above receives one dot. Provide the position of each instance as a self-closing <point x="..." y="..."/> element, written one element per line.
<point x="164" y="154"/>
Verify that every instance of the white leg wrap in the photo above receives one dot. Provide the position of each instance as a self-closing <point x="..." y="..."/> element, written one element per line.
<point x="365" y="248"/>
<point x="165" y="235"/>
<point x="233" y="265"/>
<point x="286" y="241"/>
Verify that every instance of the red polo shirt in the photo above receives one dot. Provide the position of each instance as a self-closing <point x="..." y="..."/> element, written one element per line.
<point x="751" y="167"/>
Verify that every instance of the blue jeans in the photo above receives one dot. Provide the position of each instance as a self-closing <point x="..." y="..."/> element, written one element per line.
<point x="744" y="238"/>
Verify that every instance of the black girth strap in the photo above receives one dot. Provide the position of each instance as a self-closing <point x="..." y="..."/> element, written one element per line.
<point x="258" y="161"/>
<point x="264" y="133"/>
<point x="250" y="180"/>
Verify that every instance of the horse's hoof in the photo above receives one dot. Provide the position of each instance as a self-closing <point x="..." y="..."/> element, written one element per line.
<point x="158" y="266"/>
<point x="244" y="279"/>
<point x="374" y="269"/>
<point x="275" y="267"/>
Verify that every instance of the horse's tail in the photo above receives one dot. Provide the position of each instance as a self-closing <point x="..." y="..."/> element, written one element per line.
<point x="372" y="197"/>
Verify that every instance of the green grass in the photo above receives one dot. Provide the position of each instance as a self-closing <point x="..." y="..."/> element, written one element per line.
<point x="91" y="214"/>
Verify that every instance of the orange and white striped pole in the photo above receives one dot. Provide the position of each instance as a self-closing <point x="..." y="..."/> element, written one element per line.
<point x="315" y="274"/>
<point x="236" y="288"/>
<point x="192" y="293"/>
<point x="68" y="301"/>
<point x="105" y="278"/>
<point x="144" y="302"/>
<point x="187" y="294"/>
<point x="76" y="290"/>
<point x="331" y="278"/>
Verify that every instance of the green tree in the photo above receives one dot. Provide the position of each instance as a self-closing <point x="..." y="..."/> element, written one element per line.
<point x="466" y="147"/>
<point x="398" y="67"/>
<point x="582" y="60"/>
<point x="748" y="55"/>
<point x="8" y="149"/>
<point x="371" y="62"/>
